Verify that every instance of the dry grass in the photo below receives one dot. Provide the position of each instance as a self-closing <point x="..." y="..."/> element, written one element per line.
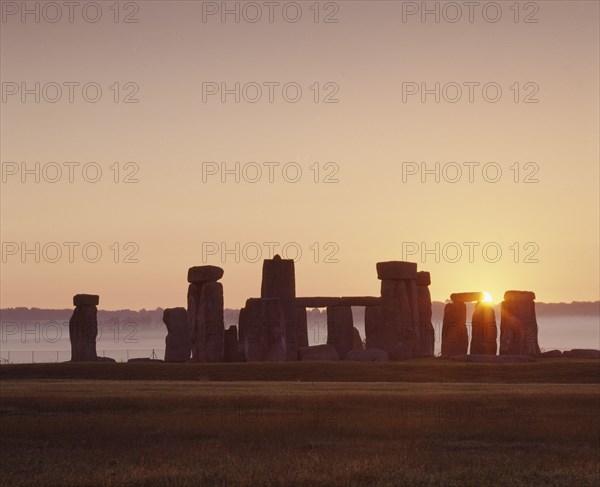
<point x="560" y="370"/>
<point x="203" y="433"/>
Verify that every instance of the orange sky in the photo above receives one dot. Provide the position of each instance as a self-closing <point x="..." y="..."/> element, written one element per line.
<point x="373" y="212"/>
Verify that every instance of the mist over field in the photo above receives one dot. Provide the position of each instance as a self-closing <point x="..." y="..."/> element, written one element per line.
<point x="42" y="335"/>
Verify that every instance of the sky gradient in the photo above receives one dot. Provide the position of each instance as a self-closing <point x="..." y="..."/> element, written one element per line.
<point x="374" y="212"/>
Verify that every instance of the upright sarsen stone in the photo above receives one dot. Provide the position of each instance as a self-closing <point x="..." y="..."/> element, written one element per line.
<point x="427" y="331"/>
<point x="279" y="281"/>
<point x="374" y="330"/>
<point x="455" y="340"/>
<point x="232" y="345"/>
<point x="210" y="338"/>
<point x="398" y="326"/>
<point x="205" y="314"/>
<point x="83" y="328"/>
<point x="301" y="327"/>
<point x="178" y="342"/>
<point x="263" y="329"/>
<point x="518" y="324"/>
<point x="340" y="329"/>
<point x="484" y="332"/>
<point x="278" y="278"/>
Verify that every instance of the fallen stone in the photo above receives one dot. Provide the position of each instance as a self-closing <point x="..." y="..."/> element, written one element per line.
<point x="551" y="354"/>
<point x="455" y="340"/>
<point x="492" y="359"/>
<point x="143" y="360"/>
<point x="368" y="355"/>
<point x="582" y="353"/>
<point x="318" y="352"/>
<point x="519" y="295"/>
<point x="204" y="273"/>
<point x="105" y="359"/>
<point x="396" y="270"/>
<point x="484" y="332"/>
<point x="466" y="297"/>
<point x="86" y="300"/>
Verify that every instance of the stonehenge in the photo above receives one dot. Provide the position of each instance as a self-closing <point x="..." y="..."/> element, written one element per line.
<point x="83" y="328"/>
<point x="205" y="313"/>
<point x="274" y="326"/>
<point x="518" y="324"/>
<point x="178" y="342"/>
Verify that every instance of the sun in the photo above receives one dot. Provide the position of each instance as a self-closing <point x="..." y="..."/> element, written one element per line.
<point x="487" y="298"/>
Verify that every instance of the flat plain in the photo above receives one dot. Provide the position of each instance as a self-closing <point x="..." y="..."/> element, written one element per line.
<point x="422" y="422"/>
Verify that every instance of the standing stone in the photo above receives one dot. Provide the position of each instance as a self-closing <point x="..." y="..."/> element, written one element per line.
<point x="340" y="329"/>
<point x="242" y="326"/>
<point x="455" y="340"/>
<point x="231" y="345"/>
<point x="398" y="326"/>
<point x="211" y="323"/>
<point x="427" y="331"/>
<point x="518" y="324"/>
<point x="205" y="313"/>
<point x="278" y="278"/>
<point x="263" y="330"/>
<point x="83" y="328"/>
<point x="374" y="330"/>
<point x="279" y="281"/>
<point x="413" y="299"/>
<point x="178" y="342"/>
<point x="399" y="334"/>
<point x="302" y="327"/>
<point x="357" y="343"/>
<point x="484" y="332"/>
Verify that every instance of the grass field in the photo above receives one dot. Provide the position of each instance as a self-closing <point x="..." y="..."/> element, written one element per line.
<point x="521" y="426"/>
<point x="558" y="370"/>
